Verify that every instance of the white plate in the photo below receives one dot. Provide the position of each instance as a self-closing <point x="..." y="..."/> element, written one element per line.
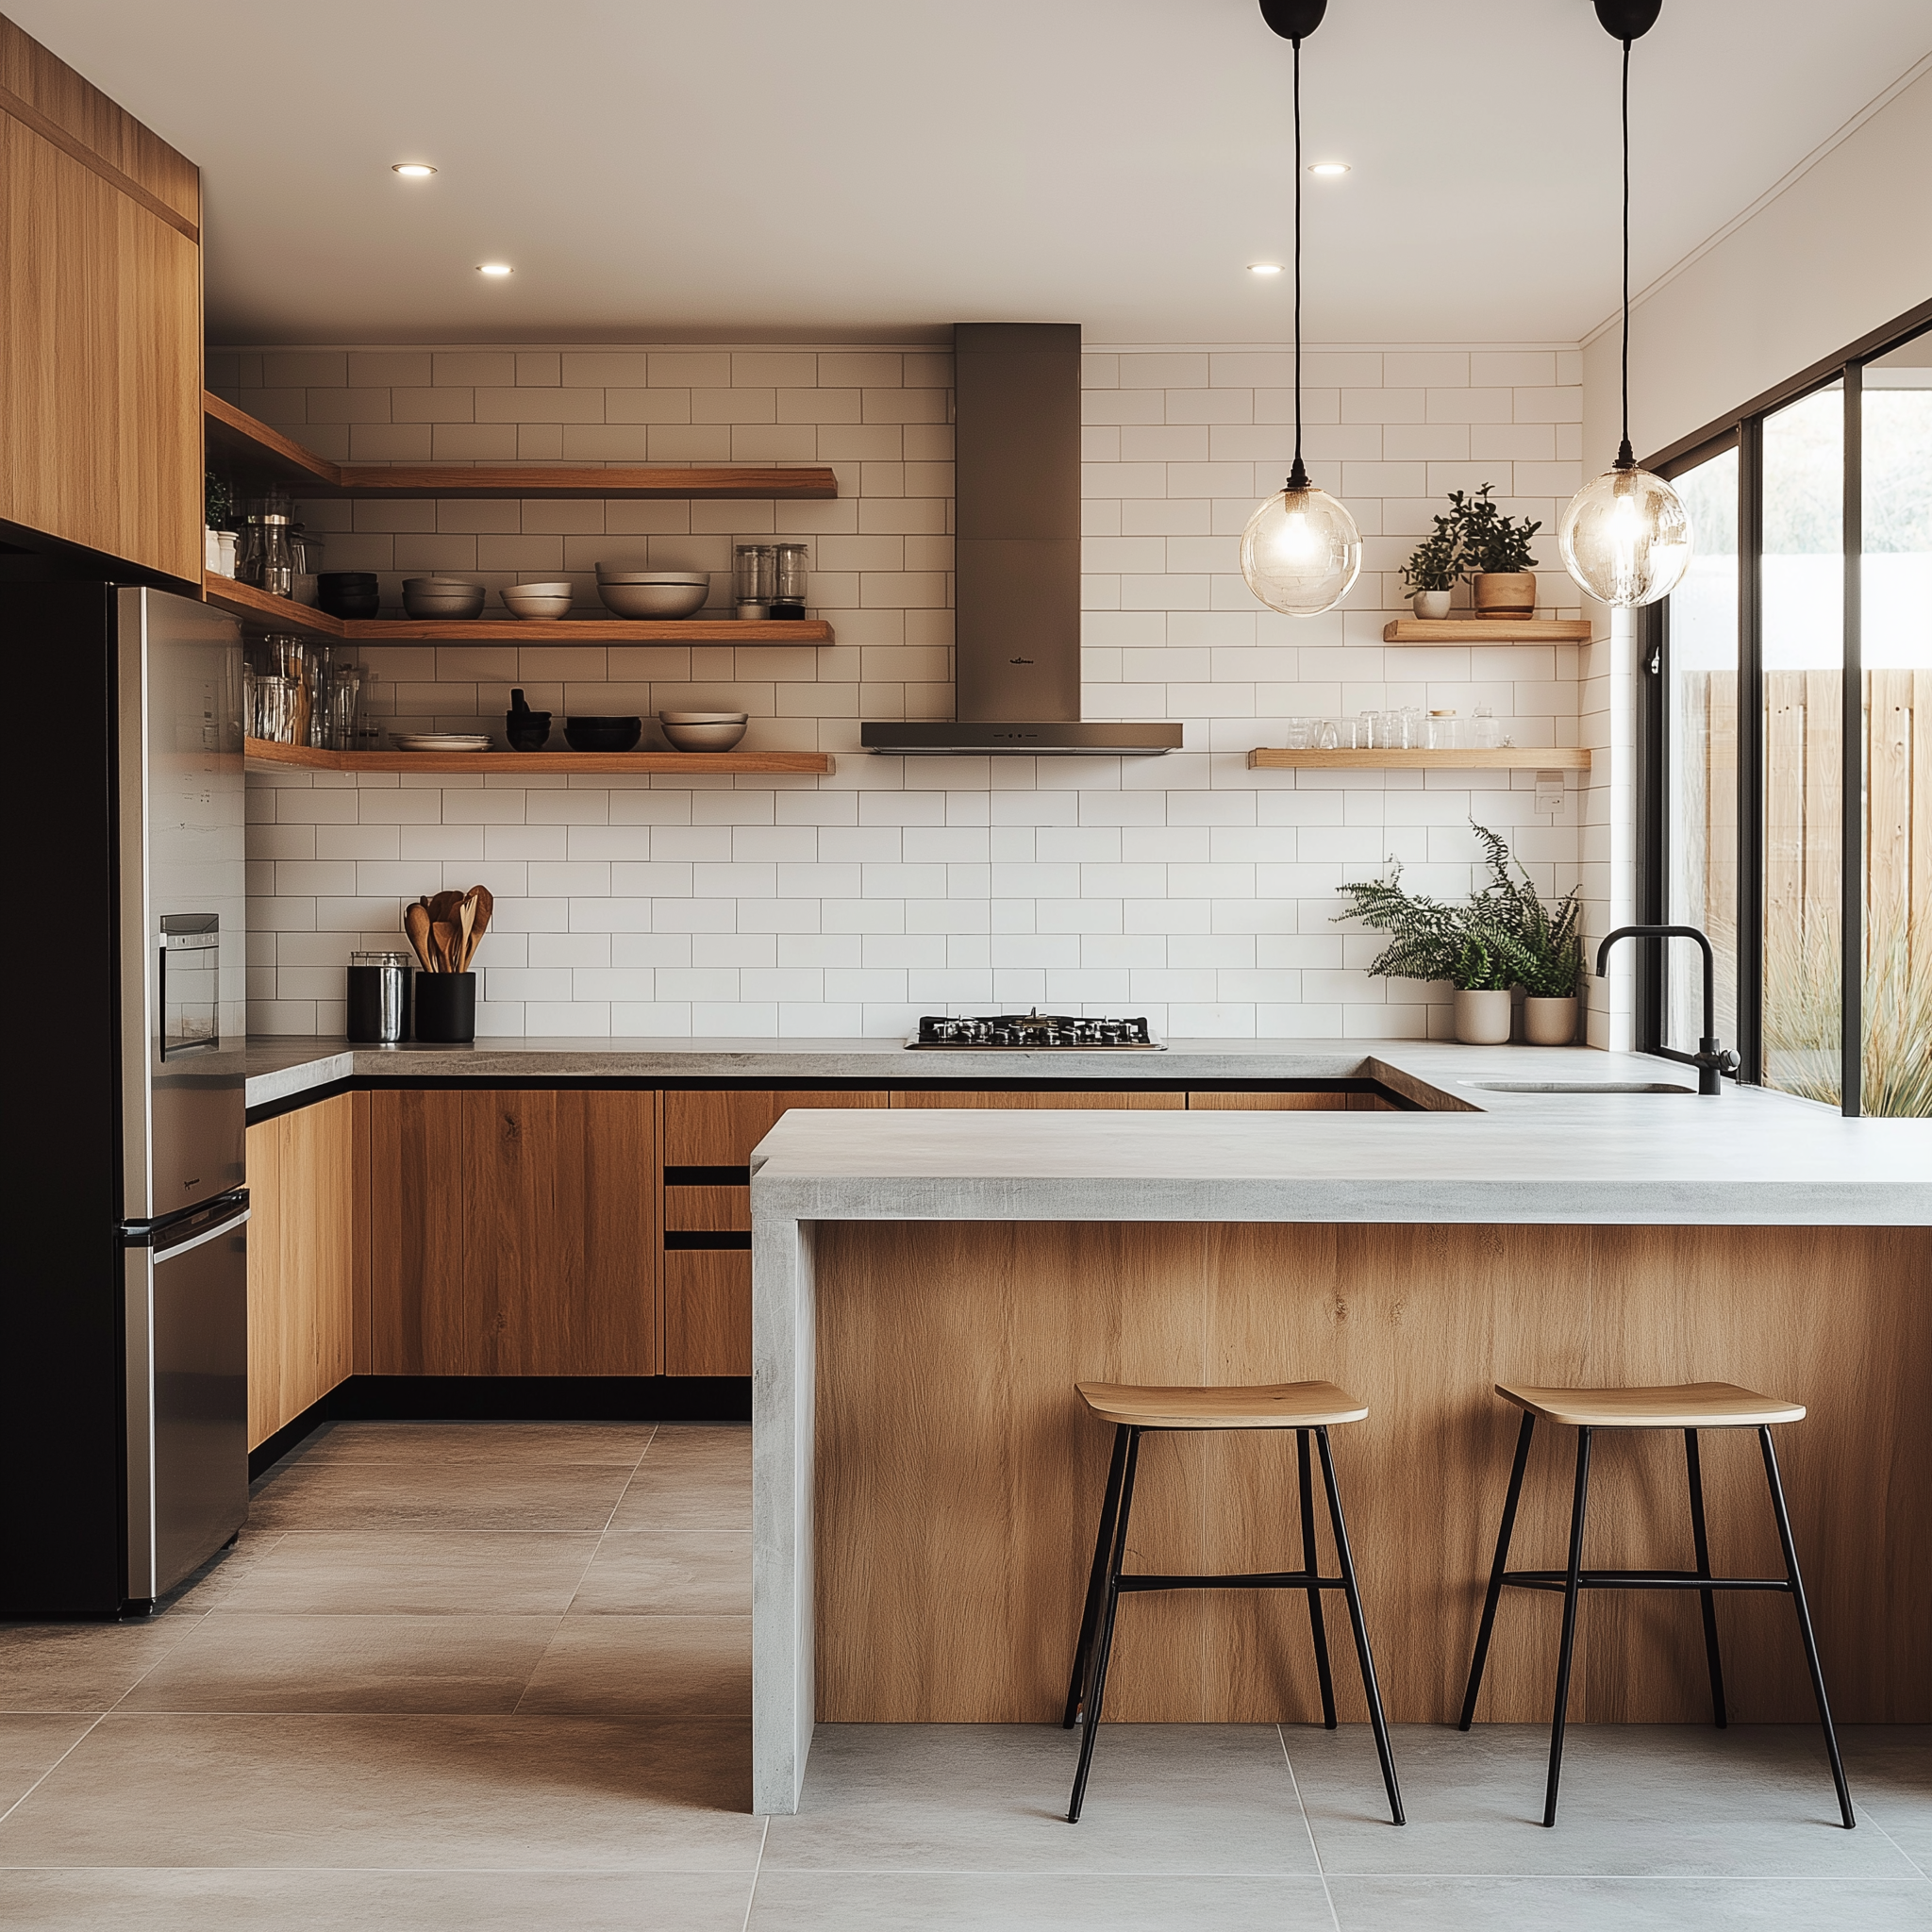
<point x="443" y="740"/>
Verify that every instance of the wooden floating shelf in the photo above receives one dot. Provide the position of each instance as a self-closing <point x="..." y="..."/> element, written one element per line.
<point x="1514" y="757"/>
<point x="265" y="453"/>
<point x="278" y="613"/>
<point x="263" y="753"/>
<point x="1486" y="631"/>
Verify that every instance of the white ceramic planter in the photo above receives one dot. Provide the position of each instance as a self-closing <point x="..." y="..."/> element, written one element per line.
<point x="1549" y="1023"/>
<point x="1433" y="605"/>
<point x="1482" y="1018"/>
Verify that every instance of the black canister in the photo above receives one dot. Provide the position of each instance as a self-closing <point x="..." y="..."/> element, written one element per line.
<point x="379" y="997"/>
<point x="447" y="1007"/>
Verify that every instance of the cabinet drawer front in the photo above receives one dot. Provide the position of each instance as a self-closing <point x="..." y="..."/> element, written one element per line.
<point x="707" y="1311"/>
<point x="719" y="1128"/>
<point x="706" y="1209"/>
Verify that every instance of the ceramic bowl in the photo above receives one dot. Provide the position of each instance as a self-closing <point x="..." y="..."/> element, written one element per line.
<point x="536" y="600"/>
<point x="640" y="574"/>
<point x="700" y="731"/>
<point x="442" y="597"/>
<point x="602" y="734"/>
<point x="667" y="601"/>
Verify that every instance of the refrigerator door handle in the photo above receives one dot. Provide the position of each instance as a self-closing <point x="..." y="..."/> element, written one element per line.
<point x="208" y="1234"/>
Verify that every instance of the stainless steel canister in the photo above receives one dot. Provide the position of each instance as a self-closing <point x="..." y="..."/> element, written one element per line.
<point x="379" y="997"/>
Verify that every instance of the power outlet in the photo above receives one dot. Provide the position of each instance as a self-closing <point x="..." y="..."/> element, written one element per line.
<point x="1549" y="791"/>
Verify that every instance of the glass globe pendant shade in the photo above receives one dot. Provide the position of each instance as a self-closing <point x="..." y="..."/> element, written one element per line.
<point x="1301" y="551"/>
<point x="1625" y="537"/>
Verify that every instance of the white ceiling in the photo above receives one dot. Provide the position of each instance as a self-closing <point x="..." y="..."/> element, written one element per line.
<point x="874" y="169"/>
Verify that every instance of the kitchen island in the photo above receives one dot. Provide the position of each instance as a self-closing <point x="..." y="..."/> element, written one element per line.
<point x="926" y="1292"/>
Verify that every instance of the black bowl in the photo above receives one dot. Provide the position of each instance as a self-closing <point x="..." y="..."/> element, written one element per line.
<point x="526" y="730"/>
<point x="602" y="734"/>
<point x="349" y="579"/>
<point x="349" y="604"/>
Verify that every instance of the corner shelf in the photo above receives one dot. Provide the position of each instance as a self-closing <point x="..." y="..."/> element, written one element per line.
<point x="280" y="614"/>
<point x="1514" y="757"/>
<point x="266" y="454"/>
<point x="1486" y="631"/>
<point x="263" y="754"/>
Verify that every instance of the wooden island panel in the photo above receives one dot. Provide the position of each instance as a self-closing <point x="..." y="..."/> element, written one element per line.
<point x="958" y="1480"/>
<point x="1056" y="1100"/>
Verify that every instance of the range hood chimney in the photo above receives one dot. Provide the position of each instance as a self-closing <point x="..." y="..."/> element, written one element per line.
<point x="1016" y="568"/>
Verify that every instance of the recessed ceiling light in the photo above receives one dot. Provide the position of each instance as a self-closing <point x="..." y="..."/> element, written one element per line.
<point x="1327" y="167"/>
<point x="413" y="171"/>
<point x="1264" y="268"/>
<point x="492" y="268"/>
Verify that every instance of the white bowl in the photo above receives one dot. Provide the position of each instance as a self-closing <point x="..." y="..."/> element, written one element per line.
<point x="624" y="574"/>
<point x="703" y="737"/>
<point x="526" y="600"/>
<point x="557" y="587"/>
<point x="655" y="600"/>
<point x="703" y="717"/>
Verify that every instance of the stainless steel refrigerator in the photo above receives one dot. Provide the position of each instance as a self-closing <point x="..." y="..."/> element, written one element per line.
<point x="124" y="1374"/>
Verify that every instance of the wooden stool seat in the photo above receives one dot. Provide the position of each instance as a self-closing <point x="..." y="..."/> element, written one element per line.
<point x="1675" y="1405"/>
<point x="1269" y="1406"/>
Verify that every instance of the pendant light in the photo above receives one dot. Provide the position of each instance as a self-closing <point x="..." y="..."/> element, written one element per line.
<point x="1301" y="550"/>
<point x="1625" y="537"/>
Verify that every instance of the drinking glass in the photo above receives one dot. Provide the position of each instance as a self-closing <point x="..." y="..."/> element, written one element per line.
<point x="1301" y="734"/>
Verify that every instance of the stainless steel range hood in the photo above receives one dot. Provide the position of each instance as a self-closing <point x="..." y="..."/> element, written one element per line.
<point x="1017" y="556"/>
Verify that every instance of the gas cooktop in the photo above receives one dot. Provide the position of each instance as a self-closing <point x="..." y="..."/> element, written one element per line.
<point x="1003" y="1032"/>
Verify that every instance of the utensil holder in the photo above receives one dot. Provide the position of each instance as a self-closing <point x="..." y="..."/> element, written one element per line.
<point x="446" y="1009"/>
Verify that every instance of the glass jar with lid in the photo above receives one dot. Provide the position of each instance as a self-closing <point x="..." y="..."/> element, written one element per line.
<point x="788" y="582"/>
<point x="755" y="572"/>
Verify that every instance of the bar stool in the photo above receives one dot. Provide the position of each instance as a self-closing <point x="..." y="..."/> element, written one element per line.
<point x="1303" y="1407"/>
<point x="1689" y="1407"/>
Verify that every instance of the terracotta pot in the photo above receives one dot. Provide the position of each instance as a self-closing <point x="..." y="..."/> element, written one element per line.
<point x="1482" y="1018"/>
<point x="1505" y="593"/>
<point x="1550" y="1023"/>
<point x="1432" y="605"/>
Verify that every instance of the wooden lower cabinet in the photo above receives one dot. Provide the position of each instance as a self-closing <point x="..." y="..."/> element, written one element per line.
<point x="301" y="1266"/>
<point x="512" y="1233"/>
<point x="1290" y="1103"/>
<point x="707" y="1289"/>
<point x="1099" y="1100"/>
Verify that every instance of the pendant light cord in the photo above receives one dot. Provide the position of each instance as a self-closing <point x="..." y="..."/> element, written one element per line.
<point x="1625" y="459"/>
<point x="1298" y="476"/>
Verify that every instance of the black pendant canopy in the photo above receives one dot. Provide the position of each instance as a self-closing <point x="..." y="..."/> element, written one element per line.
<point x="1623" y="20"/>
<point x="1295" y="20"/>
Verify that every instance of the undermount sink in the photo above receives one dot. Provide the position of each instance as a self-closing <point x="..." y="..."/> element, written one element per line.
<point x="1580" y="1087"/>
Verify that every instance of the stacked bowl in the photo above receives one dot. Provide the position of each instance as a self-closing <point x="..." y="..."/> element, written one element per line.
<point x="653" y="593"/>
<point x="538" y="600"/>
<point x="348" y="592"/>
<point x="702" y="730"/>
<point x="442" y="597"/>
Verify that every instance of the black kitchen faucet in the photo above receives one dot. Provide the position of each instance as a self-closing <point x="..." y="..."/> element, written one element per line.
<point x="1711" y="1060"/>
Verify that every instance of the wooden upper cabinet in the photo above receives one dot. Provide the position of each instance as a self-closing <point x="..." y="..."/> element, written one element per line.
<point x="100" y="322"/>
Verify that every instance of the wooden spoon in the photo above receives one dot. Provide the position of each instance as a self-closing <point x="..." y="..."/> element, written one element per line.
<point x="443" y="906"/>
<point x="416" y="924"/>
<point x="466" y="919"/>
<point x="445" y="936"/>
<point x="485" y="905"/>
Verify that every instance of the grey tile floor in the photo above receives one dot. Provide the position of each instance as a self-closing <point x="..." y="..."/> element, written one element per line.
<point x="497" y="1675"/>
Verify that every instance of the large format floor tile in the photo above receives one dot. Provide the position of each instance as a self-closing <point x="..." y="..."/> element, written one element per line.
<point x="218" y="1900"/>
<point x="669" y="1669"/>
<point x="417" y="1793"/>
<point x="1638" y="1801"/>
<point x="1166" y="1798"/>
<point x="30" y="1746"/>
<point x="670" y="1573"/>
<point x="692" y="1477"/>
<point x="417" y="1573"/>
<point x="1494" y="1903"/>
<point x="238" y="1661"/>
<point x="1036" y="1902"/>
<point x="504" y="1444"/>
<point x="436" y="1495"/>
<point x="84" y="1666"/>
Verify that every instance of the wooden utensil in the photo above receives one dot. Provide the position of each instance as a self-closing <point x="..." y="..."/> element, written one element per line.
<point x="442" y="908"/>
<point x="416" y="922"/>
<point x="444" y="935"/>
<point x="483" y="905"/>
<point x="466" y="920"/>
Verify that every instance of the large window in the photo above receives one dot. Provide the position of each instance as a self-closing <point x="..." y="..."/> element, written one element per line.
<point x="1790" y="738"/>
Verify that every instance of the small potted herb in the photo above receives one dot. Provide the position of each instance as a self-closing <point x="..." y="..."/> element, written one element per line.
<point x="1433" y="571"/>
<point x="1502" y="937"/>
<point x="1495" y="554"/>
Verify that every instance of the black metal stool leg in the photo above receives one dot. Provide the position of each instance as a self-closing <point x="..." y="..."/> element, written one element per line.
<point x="1360" y="1629"/>
<point x="1496" y="1569"/>
<point x="1102" y="1646"/>
<point x="1571" y="1593"/>
<point x="1097" y="1580"/>
<point x="1694" y="1465"/>
<point x="1791" y="1552"/>
<point x="1318" y="1628"/>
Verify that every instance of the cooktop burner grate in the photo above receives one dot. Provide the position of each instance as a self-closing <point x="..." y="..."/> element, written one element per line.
<point x="1006" y="1032"/>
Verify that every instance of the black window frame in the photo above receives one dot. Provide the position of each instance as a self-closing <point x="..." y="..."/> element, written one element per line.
<point x="1743" y="430"/>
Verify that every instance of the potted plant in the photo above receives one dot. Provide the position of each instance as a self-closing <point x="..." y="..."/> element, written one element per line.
<point x="1495" y="554"/>
<point x="1433" y="571"/>
<point x="1502" y="937"/>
